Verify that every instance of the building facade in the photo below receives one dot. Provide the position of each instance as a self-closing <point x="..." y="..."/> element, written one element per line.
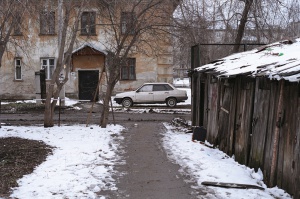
<point x="34" y="47"/>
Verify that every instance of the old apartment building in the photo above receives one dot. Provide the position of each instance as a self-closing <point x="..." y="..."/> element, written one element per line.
<point x="34" y="43"/>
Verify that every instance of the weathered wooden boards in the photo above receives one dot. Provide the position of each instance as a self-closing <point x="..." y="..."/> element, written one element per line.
<point x="240" y="117"/>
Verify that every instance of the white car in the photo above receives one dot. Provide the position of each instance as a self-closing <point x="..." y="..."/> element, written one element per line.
<point x="152" y="93"/>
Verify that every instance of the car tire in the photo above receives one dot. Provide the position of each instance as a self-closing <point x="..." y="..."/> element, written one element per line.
<point x="171" y="102"/>
<point x="127" y="102"/>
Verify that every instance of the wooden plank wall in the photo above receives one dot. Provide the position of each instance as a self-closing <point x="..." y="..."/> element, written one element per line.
<point x="241" y="118"/>
<point x="287" y="171"/>
<point x="271" y="121"/>
<point x="243" y="121"/>
<point x="212" y="109"/>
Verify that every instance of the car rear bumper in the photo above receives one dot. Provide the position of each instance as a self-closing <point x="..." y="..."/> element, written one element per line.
<point x="182" y="99"/>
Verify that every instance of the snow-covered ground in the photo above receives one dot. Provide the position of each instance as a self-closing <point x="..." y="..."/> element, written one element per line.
<point x="207" y="164"/>
<point x="68" y="101"/>
<point x="82" y="163"/>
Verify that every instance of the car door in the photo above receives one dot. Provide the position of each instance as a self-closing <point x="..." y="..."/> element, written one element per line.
<point x="144" y="94"/>
<point x="160" y="92"/>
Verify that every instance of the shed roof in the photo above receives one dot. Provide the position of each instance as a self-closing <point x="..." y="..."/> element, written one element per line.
<point x="280" y="60"/>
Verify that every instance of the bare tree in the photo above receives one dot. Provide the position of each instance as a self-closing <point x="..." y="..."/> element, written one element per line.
<point x="242" y="25"/>
<point x="143" y="24"/>
<point x="11" y="13"/>
<point x="69" y="12"/>
<point x="228" y="21"/>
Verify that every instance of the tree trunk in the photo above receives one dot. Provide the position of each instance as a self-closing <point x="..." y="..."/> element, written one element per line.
<point x="48" y="115"/>
<point x="2" y="49"/>
<point x="105" y="112"/>
<point x="241" y="28"/>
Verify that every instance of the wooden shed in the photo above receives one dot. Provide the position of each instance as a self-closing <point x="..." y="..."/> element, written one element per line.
<point x="250" y="105"/>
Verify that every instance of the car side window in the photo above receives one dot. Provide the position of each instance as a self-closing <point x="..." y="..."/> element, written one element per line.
<point x="146" y="88"/>
<point x="168" y="87"/>
<point x="159" y="87"/>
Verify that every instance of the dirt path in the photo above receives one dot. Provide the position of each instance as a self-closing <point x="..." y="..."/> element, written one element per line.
<point x="149" y="173"/>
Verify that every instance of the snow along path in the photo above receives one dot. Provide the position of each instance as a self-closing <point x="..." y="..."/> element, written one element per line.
<point x="202" y="163"/>
<point x="81" y="166"/>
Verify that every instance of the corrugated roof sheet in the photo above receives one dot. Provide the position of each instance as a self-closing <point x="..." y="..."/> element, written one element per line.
<point x="279" y="60"/>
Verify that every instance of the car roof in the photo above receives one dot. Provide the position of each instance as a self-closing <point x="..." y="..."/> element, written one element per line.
<point x="157" y="83"/>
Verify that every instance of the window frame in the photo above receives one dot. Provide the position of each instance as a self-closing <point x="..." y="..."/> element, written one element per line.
<point x="47" y="23"/>
<point x="128" y="71"/>
<point x="127" y="22"/>
<point x="17" y="31"/>
<point x="19" y="66"/>
<point x="90" y="22"/>
<point x="47" y="67"/>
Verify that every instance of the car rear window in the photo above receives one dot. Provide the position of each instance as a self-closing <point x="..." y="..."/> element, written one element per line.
<point x="169" y="88"/>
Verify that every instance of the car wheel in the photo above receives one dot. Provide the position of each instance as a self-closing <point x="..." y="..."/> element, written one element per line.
<point x="171" y="102"/>
<point x="127" y="102"/>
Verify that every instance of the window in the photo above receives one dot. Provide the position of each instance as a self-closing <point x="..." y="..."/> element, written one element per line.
<point x="88" y="23"/>
<point x="17" y="25"/>
<point x="48" y="66"/>
<point x="159" y="87"/>
<point x="128" y="71"/>
<point x="162" y="87"/>
<point x="47" y="23"/>
<point x="128" y="23"/>
<point x="146" y="88"/>
<point x="18" y="69"/>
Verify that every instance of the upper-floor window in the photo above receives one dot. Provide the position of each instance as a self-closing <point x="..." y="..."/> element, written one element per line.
<point x="17" y="25"/>
<point x="48" y="64"/>
<point x="47" y="23"/>
<point x="88" y="23"/>
<point x="18" y="69"/>
<point x="128" y="71"/>
<point x="128" y="23"/>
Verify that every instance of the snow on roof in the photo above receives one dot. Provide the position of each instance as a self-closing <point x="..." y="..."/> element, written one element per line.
<point x="279" y="60"/>
<point x="94" y="46"/>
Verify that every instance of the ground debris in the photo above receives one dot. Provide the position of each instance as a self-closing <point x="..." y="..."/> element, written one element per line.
<point x="180" y="122"/>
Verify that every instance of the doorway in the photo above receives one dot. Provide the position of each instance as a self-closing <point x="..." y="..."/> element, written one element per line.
<point x="88" y="81"/>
